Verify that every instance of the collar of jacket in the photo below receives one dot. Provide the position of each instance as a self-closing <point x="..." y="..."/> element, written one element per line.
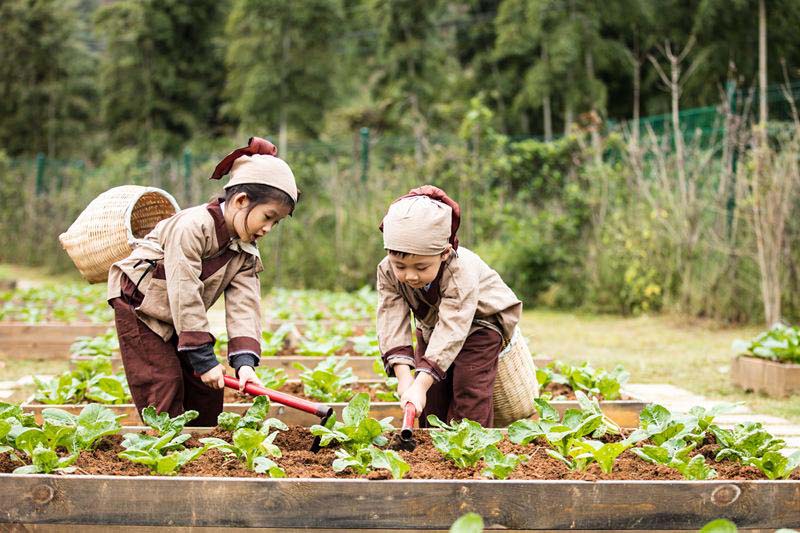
<point x="224" y="236"/>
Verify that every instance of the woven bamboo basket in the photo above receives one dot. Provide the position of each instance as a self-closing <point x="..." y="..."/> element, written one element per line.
<point x="515" y="387"/>
<point x="104" y="232"/>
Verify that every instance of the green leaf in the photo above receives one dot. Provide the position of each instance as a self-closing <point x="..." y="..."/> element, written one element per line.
<point x="264" y="465"/>
<point x="525" y="431"/>
<point x="608" y="453"/>
<point x="468" y="523"/>
<point x="720" y="525"/>
<point x="356" y="410"/>
<point x="27" y="439"/>
<point x="498" y="465"/>
<point x="697" y="468"/>
<point x="94" y="422"/>
<point x="162" y="422"/>
<point x="389" y="460"/>
<point x="228" y="421"/>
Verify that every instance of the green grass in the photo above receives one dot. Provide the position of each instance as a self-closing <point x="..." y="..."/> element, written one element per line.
<point x="691" y="354"/>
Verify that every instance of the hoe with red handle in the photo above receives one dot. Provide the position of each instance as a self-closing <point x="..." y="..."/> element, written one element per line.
<point x="406" y="440"/>
<point x="323" y="411"/>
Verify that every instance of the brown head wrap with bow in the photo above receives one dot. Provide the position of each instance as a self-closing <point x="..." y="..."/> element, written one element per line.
<point x="257" y="163"/>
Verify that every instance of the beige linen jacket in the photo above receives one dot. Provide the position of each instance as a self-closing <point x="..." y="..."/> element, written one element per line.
<point x="465" y="296"/>
<point x="182" y="267"/>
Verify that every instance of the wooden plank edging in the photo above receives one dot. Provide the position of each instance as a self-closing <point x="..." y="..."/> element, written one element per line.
<point x="414" y="504"/>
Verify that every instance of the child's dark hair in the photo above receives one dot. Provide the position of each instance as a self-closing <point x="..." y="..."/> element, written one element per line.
<point x="401" y="255"/>
<point x="259" y="193"/>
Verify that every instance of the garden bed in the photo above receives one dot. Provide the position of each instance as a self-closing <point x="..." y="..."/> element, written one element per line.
<point x="210" y="490"/>
<point x="44" y="340"/>
<point x="765" y="376"/>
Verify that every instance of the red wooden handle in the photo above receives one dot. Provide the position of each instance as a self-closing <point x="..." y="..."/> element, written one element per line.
<point x="318" y="409"/>
<point x="409" y="414"/>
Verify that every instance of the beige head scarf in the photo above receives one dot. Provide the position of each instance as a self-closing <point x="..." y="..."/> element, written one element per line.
<point x="266" y="170"/>
<point x="257" y="163"/>
<point x="417" y="225"/>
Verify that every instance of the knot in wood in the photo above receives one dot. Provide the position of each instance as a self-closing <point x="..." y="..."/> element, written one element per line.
<point x="725" y="495"/>
<point x="42" y="494"/>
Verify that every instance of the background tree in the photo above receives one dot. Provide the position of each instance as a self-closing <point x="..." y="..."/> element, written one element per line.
<point x="280" y="64"/>
<point x="46" y="83"/>
<point x="161" y="72"/>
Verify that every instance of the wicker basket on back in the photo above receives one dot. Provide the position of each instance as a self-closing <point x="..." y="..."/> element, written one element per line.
<point x="103" y="233"/>
<point x="515" y="387"/>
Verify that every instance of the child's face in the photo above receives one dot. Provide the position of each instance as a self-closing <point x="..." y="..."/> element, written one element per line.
<point x="417" y="270"/>
<point x="253" y="224"/>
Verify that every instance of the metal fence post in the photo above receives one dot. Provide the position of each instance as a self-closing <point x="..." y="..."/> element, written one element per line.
<point x="730" y="205"/>
<point x="187" y="174"/>
<point x="364" y="154"/>
<point x="41" y="162"/>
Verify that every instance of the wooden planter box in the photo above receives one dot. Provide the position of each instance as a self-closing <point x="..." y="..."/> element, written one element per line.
<point x="43" y="341"/>
<point x="623" y="412"/>
<point x="762" y="375"/>
<point x="351" y="504"/>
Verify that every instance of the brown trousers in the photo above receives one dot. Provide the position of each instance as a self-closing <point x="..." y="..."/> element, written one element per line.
<point x="466" y="391"/>
<point x="158" y="374"/>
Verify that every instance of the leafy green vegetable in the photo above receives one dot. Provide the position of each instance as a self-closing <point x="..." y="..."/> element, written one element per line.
<point x="254" y="418"/>
<point x="274" y="342"/>
<point x="104" y="345"/>
<point x="720" y="525"/>
<point x="164" y="453"/>
<point x="254" y="447"/>
<point x="779" y="343"/>
<point x="585" y="378"/>
<point x="468" y="523"/>
<point x="583" y="452"/>
<point x="675" y="454"/>
<point x="364" y="460"/>
<point x="272" y="378"/>
<point x="776" y="465"/>
<point x="92" y="380"/>
<point x="161" y="464"/>
<point x="464" y="443"/>
<point x="329" y="381"/>
<point x="46" y="461"/>
<point x="344" y="307"/>
<point x="56" y="303"/>
<point x="745" y="441"/>
<point x="366" y="345"/>
<point x="162" y="422"/>
<point x="356" y="430"/>
<point x="499" y="465"/>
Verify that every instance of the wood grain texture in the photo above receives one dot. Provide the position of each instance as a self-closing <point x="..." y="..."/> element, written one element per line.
<point x="43" y="341"/>
<point x="778" y="380"/>
<point x="412" y="504"/>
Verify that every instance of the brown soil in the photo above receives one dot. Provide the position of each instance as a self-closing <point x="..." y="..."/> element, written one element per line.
<point x="565" y="392"/>
<point x="7" y="464"/>
<point x="425" y="461"/>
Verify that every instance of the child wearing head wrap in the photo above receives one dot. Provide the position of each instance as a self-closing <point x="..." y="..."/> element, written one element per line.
<point x="161" y="292"/>
<point x="464" y="312"/>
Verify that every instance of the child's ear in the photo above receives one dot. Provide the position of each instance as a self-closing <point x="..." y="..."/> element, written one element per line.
<point x="241" y="200"/>
<point x="446" y="254"/>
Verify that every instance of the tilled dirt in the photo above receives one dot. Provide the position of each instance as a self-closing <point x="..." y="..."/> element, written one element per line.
<point x="426" y="462"/>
